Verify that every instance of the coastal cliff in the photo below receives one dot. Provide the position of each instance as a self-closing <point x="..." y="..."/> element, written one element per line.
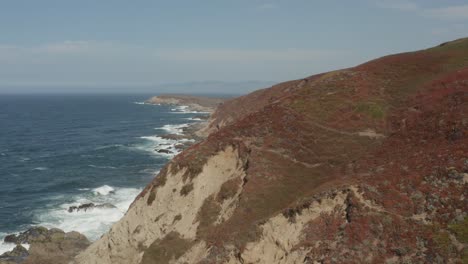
<point x="362" y="165"/>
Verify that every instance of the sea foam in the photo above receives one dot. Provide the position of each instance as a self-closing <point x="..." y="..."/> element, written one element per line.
<point x="5" y="247"/>
<point x="174" y="129"/>
<point x="103" y="190"/>
<point x="93" y="222"/>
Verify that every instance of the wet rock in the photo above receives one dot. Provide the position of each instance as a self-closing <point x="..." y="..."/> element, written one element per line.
<point x="83" y="207"/>
<point x="46" y="246"/>
<point x="89" y="206"/>
<point x="105" y="205"/>
<point x="10" y="239"/>
<point x="33" y="234"/>
<point x="17" y="255"/>
<point x="166" y="151"/>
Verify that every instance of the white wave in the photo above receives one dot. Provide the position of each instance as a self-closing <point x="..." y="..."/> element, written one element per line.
<point x="154" y="143"/>
<point x="40" y="169"/>
<point x="181" y="108"/>
<point x="193" y="119"/>
<point x="23" y="159"/>
<point x="174" y="129"/>
<point x="92" y="223"/>
<point x="5" y="247"/>
<point x="144" y="103"/>
<point x="184" y="109"/>
<point x="150" y="171"/>
<point x="191" y="112"/>
<point x="2" y="154"/>
<point x="103" y="190"/>
<point x="102" y="167"/>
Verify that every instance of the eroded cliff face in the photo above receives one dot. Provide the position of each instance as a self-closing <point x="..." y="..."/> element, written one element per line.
<point x="172" y="209"/>
<point x="363" y="165"/>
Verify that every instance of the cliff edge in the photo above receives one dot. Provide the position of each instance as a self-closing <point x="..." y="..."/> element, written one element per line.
<point x="361" y="165"/>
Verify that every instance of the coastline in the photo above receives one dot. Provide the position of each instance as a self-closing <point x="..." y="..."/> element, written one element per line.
<point x="180" y="136"/>
<point x="204" y="107"/>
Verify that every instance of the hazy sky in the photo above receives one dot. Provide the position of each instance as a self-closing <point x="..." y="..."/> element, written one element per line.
<point x="122" y="45"/>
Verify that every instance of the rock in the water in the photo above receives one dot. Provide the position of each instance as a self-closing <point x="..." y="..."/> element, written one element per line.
<point x="83" y="207"/>
<point x="10" y="239"/>
<point x="89" y="206"/>
<point x="105" y="205"/>
<point x="166" y="151"/>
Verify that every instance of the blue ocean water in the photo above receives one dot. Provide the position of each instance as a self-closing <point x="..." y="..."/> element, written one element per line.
<point x="63" y="150"/>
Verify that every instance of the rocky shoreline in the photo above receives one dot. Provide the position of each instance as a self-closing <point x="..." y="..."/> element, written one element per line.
<point x="193" y="132"/>
<point x="42" y="245"/>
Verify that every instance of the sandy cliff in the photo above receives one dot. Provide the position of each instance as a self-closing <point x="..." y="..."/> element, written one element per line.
<point x="361" y="165"/>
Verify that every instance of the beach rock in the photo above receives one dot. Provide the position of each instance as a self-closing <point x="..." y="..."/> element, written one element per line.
<point x="89" y="206"/>
<point x="33" y="234"/>
<point x="166" y="151"/>
<point x="46" y="246"/>
<point x="17" y="255"/>
<point x="10" y="239"/>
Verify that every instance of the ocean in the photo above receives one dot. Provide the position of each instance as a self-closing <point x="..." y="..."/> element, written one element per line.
<point x="58" y="151"/>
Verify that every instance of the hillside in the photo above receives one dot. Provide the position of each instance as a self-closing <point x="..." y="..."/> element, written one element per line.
<point x="362" y="165"/>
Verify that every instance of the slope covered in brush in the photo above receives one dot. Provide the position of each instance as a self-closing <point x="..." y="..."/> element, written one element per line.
<point x="366" y="164"/>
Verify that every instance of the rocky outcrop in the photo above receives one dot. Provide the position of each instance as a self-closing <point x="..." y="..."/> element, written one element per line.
<point x="170" y="206"/>
<point x="361" y="165"/>
<point x="165" y="151"/>
<point x="45" y="246"/>
<point x="194" y="103"/>
<point x="17" y="255"/>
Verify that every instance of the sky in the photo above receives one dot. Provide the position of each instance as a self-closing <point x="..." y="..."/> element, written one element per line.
<point x="145" y="45"/>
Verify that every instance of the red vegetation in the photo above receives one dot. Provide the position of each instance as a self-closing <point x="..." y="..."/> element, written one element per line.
<point x="302" y="138"/>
